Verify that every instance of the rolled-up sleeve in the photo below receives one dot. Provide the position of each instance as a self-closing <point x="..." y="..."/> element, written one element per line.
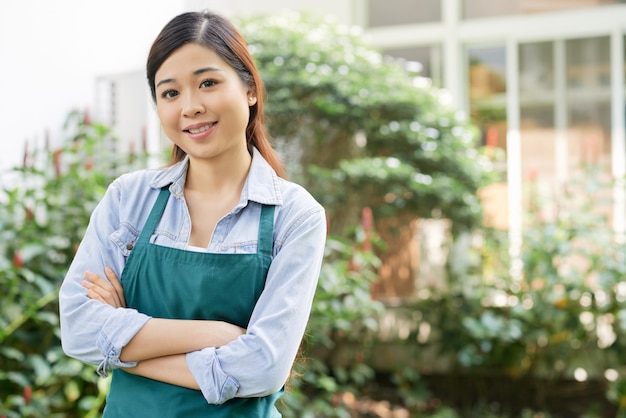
<point x="216" y="386"/>
<point x="91" y="331"/>
<point x="259" y="362"/>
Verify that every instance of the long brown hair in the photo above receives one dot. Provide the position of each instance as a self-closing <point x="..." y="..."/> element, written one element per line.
<point x="220" y="35"/>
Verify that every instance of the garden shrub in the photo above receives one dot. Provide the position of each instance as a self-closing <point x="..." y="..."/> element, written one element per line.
<point x="45" y="208"/>
<point x="559" y="318"/>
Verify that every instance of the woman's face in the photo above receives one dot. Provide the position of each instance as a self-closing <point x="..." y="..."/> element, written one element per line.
<point x="202" y="103"/>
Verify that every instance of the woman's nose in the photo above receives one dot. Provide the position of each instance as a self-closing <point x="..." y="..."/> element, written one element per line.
<point x="193" y="105"/>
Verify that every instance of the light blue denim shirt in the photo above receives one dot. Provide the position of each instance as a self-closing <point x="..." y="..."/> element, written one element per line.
<point x="257" y="363"/>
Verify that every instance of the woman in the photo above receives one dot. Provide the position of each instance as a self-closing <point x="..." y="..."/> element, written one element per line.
<point x="219" y="256"/>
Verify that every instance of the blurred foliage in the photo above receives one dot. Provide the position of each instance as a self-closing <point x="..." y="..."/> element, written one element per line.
<point x="44" y="212"/>
<point x="343" y="311"/>
<point x="348" y="118"/>
<point x="556" y="313"/>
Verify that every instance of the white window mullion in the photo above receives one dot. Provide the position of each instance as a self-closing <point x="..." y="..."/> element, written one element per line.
<point x="618" y="149"/>
<point x="514" y="156"/>
<point x="452" y="78"/>
<point x="561" y="154"/>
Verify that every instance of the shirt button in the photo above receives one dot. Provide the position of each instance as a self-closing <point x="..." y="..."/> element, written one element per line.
<point x="129" y="246"/>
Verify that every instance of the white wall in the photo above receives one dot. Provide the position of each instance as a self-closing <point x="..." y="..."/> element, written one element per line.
<point x="51" y="53"/>
<point x="342" y="9"/>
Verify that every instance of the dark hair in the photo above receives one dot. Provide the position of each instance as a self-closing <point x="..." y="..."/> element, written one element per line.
<point x="220" y="35"/>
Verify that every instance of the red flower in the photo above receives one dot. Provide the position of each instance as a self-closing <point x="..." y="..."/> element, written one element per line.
<point x="88" y="163"/>
<point x="367" y="223"/>
<point x="28" y="394"/>
<point x="86" y="118"/>
<point x="367" y="219"/>
<point x="25" y="158"/>
<point x="57" y="162"/>
<point x="29" y="214"/>
<point x="18" y="261"/>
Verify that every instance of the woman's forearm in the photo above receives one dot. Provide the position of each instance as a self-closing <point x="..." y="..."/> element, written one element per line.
<point x="168" y="369"/>
<point x="159" y="337"/>
<point x="165" y="337"/>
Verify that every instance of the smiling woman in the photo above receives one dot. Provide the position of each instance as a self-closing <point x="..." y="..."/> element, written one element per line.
<point x="203" y="105"/>
<point x="217" y="255"/>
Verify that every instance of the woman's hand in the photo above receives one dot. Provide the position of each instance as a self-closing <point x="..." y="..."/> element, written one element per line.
<point x="106" y="291"/>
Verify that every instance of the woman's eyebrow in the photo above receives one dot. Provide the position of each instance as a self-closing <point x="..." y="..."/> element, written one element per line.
<point x="197" y="72"/>
<point x="206" y="70"/>
<point x="167" y="80"/>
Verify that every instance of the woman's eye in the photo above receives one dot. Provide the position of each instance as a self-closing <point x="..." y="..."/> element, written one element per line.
<point x="169" y="94"/>
<point x="208" y="83"/>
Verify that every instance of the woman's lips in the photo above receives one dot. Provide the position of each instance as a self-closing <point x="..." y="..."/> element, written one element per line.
<point x="200" y="131"/>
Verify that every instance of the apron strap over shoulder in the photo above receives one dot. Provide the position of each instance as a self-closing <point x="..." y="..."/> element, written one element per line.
<point x="155" y="215"/>
<point x="266" y="231"/>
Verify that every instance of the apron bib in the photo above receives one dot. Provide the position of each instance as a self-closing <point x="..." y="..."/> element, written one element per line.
<point x="166" y="282"/>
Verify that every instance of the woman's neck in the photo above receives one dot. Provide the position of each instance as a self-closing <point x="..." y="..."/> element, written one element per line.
<point x="219" y="176"/>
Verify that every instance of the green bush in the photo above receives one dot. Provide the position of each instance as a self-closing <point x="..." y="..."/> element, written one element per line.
<point x="343" y="311"/>
<point x="555" y="314"/>
<point x="349" y="118"/>
<point x="44" y="212"/>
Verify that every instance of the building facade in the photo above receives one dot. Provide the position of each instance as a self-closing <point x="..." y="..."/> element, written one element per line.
<point x="544" y="81"/>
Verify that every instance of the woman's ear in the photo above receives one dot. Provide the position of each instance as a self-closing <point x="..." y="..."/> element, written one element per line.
<point x="252" y="98"/>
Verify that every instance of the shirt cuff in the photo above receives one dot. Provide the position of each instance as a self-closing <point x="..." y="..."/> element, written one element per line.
<point x="115" y="334"/>
<point x="217" y="387"/>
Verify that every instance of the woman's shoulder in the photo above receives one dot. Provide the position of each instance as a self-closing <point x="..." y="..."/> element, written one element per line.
<point x="292" y="192"/>
<point x="298" y="211"/>
<point x="142" y="177"/>
<point x="298" y="202"/>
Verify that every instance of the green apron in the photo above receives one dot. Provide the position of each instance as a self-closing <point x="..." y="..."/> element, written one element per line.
<point x="166" y="282"/>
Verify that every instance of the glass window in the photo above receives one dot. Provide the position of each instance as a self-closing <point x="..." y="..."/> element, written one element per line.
<point x="565" y="110"/>
<point x="487" y="93"/>
<point x="401" y="12"/>
<point x="537" y="110"/>
<point x="487" y="104"/>
<point x="489" y="8"/>
<point x="589" y="102"/>
<point x="429" y="58"/>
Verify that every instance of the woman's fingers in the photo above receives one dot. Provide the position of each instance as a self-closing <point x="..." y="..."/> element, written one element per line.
<point x="99" y="288"/>
<point x="95" y="290"/>
<point x="115" y="282"/>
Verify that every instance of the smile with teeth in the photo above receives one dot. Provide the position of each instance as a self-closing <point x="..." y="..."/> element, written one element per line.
<point x="201" y="129"/>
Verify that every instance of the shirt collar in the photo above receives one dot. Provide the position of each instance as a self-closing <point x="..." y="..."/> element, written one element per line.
<point x="261" y="186"/>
